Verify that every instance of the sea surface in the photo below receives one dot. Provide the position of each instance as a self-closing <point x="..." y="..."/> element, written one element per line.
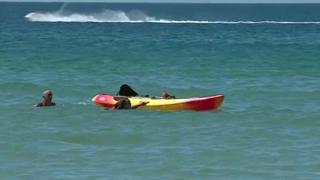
<point x="265" y="59"/>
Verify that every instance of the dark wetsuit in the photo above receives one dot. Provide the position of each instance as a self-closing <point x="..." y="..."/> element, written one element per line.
<point x="123" y="104"/>
<point x="126" y="90"/>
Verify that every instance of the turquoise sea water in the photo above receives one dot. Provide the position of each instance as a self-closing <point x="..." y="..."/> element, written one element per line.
<point x="264" y="58"/>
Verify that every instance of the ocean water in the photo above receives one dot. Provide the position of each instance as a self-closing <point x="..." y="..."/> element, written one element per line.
<point x="264" y="58"/>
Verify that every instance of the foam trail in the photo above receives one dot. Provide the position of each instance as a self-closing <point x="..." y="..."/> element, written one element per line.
<point x="104" y="16"/>
<point x="113" y="16"/>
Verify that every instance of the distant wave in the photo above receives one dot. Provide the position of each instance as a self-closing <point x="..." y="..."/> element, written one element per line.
<point x="112" y="16"/>
<point x="104" y="16"/>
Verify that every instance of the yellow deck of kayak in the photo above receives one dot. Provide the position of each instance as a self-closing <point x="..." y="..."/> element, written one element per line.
<point x="154" y="102"/>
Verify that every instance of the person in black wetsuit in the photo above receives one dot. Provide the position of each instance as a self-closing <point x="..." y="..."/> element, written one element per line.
<point x="124" y="103"/>
<point x="126" y="90"/>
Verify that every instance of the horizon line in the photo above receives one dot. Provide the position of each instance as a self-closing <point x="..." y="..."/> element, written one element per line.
<point x="155" y="2"/>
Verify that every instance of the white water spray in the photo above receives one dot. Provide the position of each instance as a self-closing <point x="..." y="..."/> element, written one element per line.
<point x="113" y="16"/>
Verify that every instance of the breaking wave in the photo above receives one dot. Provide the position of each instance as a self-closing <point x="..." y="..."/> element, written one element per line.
<point x="113" y="16"/>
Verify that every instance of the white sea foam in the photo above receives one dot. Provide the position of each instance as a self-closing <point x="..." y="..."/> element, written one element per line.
<point x="113" y="16"/>
<point x="104" y="16"/>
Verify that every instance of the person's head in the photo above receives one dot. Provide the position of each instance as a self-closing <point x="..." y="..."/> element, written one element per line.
<point x="165" y="94"/>
<point x="47" y="95"/>
<point x="123" y="104"/>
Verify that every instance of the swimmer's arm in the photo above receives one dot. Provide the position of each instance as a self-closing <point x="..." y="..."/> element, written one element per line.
<point x="40" y="104"/>
<point x="139" y="105"/>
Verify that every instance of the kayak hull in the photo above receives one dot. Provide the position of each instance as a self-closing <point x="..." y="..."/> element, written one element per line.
<point x="205" y="103"/>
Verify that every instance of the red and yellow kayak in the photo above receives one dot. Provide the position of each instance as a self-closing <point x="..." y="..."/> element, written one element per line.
<point x="196" y="103"/>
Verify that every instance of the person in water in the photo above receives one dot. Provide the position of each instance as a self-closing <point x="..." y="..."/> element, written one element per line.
<point x="124" y="103"/>
<point x="165" y="95"/>
<point x="47" y="99"/>
<point x="126" y="90"/>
